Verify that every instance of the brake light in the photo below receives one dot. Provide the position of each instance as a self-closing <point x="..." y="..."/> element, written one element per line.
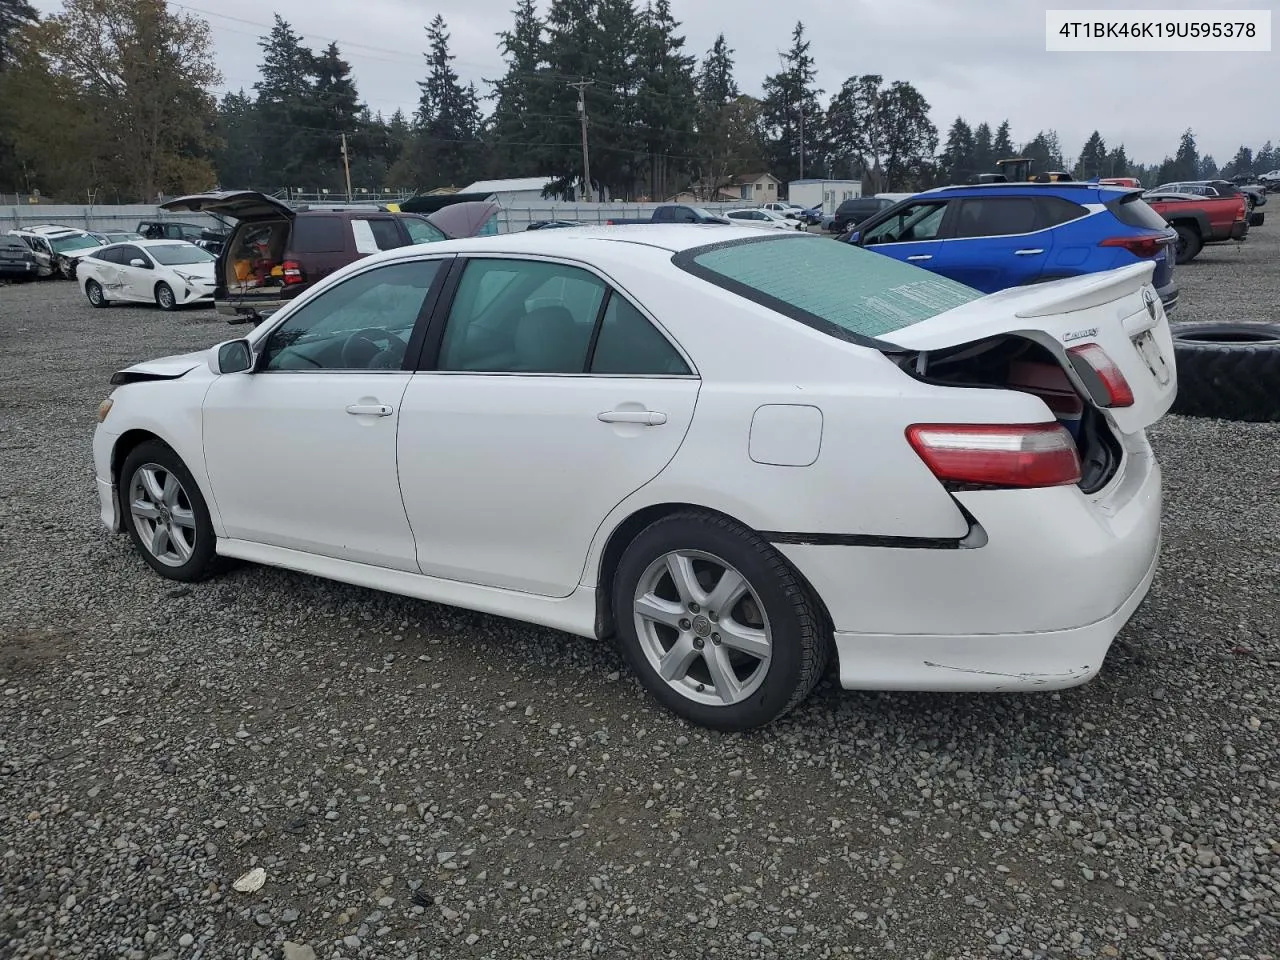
<point x="1144" y="246"/>
<point x="292" y="272"/>
<point x="1243" y="211"/>
<point x="1096" y="360"/>
<point x="997" y="455"/>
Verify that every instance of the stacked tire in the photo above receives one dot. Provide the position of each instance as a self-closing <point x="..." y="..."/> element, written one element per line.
<point x="1228" y="371"/>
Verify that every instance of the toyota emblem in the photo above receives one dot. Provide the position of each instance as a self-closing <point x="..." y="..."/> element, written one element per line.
<point x="1150" y="299"/>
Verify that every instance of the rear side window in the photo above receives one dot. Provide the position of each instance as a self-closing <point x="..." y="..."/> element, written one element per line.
<point x="1132" y="211"/>
<point x="318" y="235"/>
<point x="629" y="344"/>
<point x="374" y="235"/>
<point x="995" y="217"/>
<point x="835" y="287"/>
<point x="1056" y="210"/>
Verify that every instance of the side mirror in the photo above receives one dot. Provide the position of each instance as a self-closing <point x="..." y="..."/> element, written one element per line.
<point x="139" y="262"/>
<point x="234" y="356"/>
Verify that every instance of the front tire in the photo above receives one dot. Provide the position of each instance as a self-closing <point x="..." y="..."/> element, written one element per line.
<point x="715" y="623"/>
<point x="93" y="290"/>
<point x="165" y="298"/>
<point x="166" y="515"/>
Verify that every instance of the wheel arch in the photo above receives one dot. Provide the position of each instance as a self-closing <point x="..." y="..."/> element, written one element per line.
<point x="631" y="526"/>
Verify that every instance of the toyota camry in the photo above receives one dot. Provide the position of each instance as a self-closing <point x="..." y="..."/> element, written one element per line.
<point x="743" y="454"/>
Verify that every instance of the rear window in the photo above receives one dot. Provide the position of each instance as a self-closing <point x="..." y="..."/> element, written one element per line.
<point x="1132" y="211"/>
<point x="318" y="235"/>
<point x="835" y="287"/>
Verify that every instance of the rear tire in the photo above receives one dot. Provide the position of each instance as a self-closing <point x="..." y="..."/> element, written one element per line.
<point x="728" y="659"/>
<point x="165" y="298"/>
<point x="1228" y="371"/>
<point x="93" y="290"/>
<point x="1189" y="244"/>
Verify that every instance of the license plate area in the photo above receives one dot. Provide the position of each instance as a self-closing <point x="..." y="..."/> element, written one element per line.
<point x="1149" y="350"/>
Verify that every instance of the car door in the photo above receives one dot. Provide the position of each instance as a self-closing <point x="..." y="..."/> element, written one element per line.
<point x="301" y="452"/>
<point x="135" y="283"/>
<point x="104" y="266"/>
<point x="997" y="242"/>
<point x="912" y="233"/>
<point x="549" y="398"/>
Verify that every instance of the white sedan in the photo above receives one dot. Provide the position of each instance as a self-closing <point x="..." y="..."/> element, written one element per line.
<point x="762" y="219"/>
<point x="168" y="273"/>
<point x="742" y="453"/>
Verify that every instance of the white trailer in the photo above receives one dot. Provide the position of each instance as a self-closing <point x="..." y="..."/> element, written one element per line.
<point x="828" y="194"/>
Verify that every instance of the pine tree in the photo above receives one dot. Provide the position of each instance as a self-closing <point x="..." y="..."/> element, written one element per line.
<point x="514" y="128"/>
<point x="335" y="110"/>
<point x="1118" y="163"/>
<point x="728" y="123"/>
<point x="665" y="98"/>
<point x="13" y="15"/>
<point x="1093" y="158"/>
<point x="1187" y="159"/>
<point x="286" y="94"/>
<point x="984" y="158"/>
<point x="1003" y="146"/>
<point x="957" y="159"/>
<point x="443" y="148"/>
<point x="792" y="114"/>
<point x="238" y="160"/>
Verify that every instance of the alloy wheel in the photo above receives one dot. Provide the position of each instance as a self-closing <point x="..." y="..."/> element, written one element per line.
<point x="162" y="514"/>
<point x="702" y="628"/>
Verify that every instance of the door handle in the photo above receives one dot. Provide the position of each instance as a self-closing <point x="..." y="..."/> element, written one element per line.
<point x="370" y="410"/>
<point x="921" y="256"/>
<point x="649" y="418"/>
<point x="1028" y="252"/>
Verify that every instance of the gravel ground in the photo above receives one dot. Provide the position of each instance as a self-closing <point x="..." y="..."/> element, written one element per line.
<point x="421" y="782"/>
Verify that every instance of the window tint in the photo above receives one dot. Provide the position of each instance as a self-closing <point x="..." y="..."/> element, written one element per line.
<point x="312" y="234"/>
<point x="995" y="217"/>
<point x="108" y="254"/>
<point x="820" y="282"/>
<point x="1132" y="211"/>
<point x="629" y="343"/>
<point x="917" y="221"/>
<point x="361" y="324"/>
<point x="521" y="316"/>
<point x="130" y="253"/>
<point x="422" y="232"/>
<point x="1056" y="210"/>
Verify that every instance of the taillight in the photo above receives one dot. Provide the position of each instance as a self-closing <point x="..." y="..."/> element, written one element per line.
<point x="1243" y="212"/>
<point x="997" y="455"/>
<point x="1096" y="361"/>
<point x="1144" y="246"/>
<point x="292" y="272"/>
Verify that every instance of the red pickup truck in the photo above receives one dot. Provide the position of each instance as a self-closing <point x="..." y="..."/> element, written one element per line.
<point x="1201" y="220"/>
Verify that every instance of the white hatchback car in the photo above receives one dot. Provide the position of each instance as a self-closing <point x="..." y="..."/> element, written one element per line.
<point x="766" y="219"/>
<point x="739" y="452"/>
<point x="168" y="273"/>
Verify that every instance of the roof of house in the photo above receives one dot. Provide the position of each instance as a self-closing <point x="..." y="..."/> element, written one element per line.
<point x="753" y="177"/>
<point x="516" y="185"/>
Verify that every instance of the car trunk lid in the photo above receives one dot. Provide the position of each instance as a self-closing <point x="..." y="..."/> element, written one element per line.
<point x="1108" y="331"/>
<point x="233" y="204"/>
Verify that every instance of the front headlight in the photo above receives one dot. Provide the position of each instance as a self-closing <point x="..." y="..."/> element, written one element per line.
<point x="104" y="408"/>
<point x="185" y="276"/>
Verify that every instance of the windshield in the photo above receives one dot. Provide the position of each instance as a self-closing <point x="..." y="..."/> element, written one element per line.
<point x="69" y="244"/>
<point x="827" y="284"/>
<point x="177" y="254"/>
<point x="703" y="212"/>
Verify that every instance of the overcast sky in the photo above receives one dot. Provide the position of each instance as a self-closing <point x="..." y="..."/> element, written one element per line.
<point x="980" y="59"/>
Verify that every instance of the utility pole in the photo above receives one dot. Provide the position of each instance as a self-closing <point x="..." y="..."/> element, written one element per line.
<point x="346" y="166"/>
<point x="802" y="138"/>
<point x="581" y="87"/>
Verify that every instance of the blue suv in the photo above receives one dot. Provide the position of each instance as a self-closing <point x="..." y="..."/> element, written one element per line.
<point x="1001" y="235"/>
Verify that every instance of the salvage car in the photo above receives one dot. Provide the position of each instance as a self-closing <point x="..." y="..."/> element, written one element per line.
<point x="275" y="251"/>
<point x="762" y="219"/>
<point x="168" y="273"/>
<point x="57" y="249"/>
<point x="739" y="452"/>
<point x="17" y="261"/>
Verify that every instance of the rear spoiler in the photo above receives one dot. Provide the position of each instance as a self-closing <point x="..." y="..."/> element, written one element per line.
<point x="1083" y="293"/>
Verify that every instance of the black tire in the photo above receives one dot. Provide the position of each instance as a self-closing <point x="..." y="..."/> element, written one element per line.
<point x="1257" y="219"/>
<point x="800" y="640"/>
<point x="165" y="298"/>
<point x="1228" y="371"/>
<point x="203" y="561"/>
<point x="1189" y="243"/>
<point x="93" y="290"/>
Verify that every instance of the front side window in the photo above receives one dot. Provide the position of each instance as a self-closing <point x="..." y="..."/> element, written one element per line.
<point x="363" y="323"/>
<point x="420" y="231"/>
<point x="915" y="222"/>
<point x="835" y="287"/>
<point x="131" y="253"/>
<point x="521" y="316"/>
